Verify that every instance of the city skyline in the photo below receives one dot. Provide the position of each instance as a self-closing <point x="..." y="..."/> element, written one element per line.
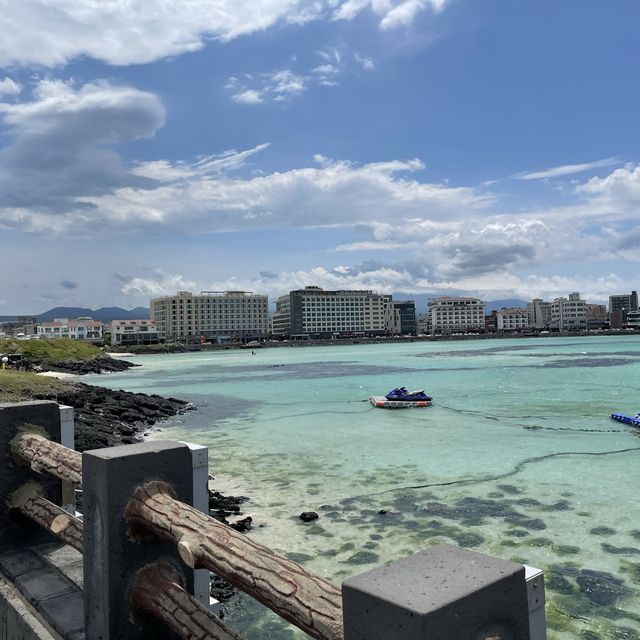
<point x="406" y="146"/>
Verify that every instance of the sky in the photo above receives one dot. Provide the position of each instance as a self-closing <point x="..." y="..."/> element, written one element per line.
<point x="410" y="146"/>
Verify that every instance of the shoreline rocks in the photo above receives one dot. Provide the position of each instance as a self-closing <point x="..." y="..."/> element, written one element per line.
<point x="104" y="364"/>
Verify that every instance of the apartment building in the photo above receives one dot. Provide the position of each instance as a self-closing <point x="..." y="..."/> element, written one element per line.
<point x="596" y="316"/>
<point x="569" y="314"/>
<point x="619" y="306"/>
<point x="281" y="318"/>
<point x="513" y="319"/>
<point x="314" y="312"/>
<point x="539" y="314"/>
<point x="77" y="329"/>
<point x="453" y="314"/>
<point x="401" y="318"/>
<point x="129" y="332"/>
<point x="211" y="315"/>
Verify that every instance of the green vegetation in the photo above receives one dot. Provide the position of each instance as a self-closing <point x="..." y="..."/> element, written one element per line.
<point x="43" y="352"/>
<point x="18" y="386"/>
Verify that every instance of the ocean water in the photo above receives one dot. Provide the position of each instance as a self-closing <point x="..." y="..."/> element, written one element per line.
<point x="517" y="458"/>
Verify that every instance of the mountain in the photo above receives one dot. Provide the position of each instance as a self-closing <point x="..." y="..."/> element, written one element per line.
<point x="104" y="314"/>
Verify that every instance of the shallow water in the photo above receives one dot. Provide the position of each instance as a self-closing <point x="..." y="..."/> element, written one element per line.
<point x="516" y="458"/>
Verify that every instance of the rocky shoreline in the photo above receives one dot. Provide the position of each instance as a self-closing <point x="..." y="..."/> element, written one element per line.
<point x="104" y="364"/>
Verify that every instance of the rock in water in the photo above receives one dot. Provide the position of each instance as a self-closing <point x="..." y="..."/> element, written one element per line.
<point x="308" y="516"/>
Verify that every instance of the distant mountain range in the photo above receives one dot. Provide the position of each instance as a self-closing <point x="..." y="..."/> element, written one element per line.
<point x="104" y="314"/>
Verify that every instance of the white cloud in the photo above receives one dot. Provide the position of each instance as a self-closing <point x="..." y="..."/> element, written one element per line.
<point x="42" y="32"/>
<point x="248" y="96"/>
<point x="157" y="284"/>
<point x="366" y="63"/>
<point x="566" y="169"/>
<point x="9" y="87"/>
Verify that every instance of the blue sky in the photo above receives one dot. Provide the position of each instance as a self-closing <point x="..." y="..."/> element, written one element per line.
<point x="415" y="146"/>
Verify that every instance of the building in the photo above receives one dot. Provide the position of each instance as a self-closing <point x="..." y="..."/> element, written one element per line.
<point x="281" y="319"/>
<point x="401" y="318"/>
<point x="569" y="314"/>
<point x="85" y="329"/>
<point x="450" y="314"/>
<point x="211" y="315"/>
<point x="620" y="306"/>
<point x="633" y="320"/>
<point x="423" y="323"/>
<point x="597" y="316"/>
<point x="128" y="332"/>
<point x="316" y="313"/>
<point x="539" y="314"/>
<point x="513" y="319"/>
<point x="22" y="325"/>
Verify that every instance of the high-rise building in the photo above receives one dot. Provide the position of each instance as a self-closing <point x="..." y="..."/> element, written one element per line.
<point x="210" y="315"/>
<point x="539" y="313"/>
<point x="619" y="306"/>
<point x="281" y="319"/>
<point x="569" y="314"/>
<point x="314" y="312"/>
<point x="452" y="314"/>
<point x="401" y="318"/>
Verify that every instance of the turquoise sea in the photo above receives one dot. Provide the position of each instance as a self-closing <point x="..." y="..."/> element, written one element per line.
<point x="517" y="458"/>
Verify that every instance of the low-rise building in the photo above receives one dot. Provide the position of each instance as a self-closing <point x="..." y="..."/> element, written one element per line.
<point x="21" y="326"/>
<point x="597" y="316"/>
<point x="86" y="329"/>
<point x="453" y="314"/>
<point x="513" y="319"/>
<point x="569" y="314"/>
<point x="401" y="318"/>
<point x="211" y="315"/>
<point x="130" y="332"/>
<point x="619" y="306"/>
<point x="633" y="320"/>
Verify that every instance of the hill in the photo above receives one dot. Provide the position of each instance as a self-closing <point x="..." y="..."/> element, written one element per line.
<point x="104" y="314"/>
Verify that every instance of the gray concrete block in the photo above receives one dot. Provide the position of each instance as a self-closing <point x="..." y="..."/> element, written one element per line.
<point x="65" y="613"/>
<point x="43" y="584"/>
<point x="16" y="530"/>
<point x="443" y="593"/>
<point x="16" y="563"/>
<point x="111" y="558"/>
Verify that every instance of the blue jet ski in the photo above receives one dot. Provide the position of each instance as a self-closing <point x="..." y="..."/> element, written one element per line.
<point x="408" y="396"/>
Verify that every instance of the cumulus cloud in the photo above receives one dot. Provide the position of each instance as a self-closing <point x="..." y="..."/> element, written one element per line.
<point x="40" y="32"/>
<point x="59" y="149"/>
<point x="158" y="283"/>
<point x="9" y="87"/>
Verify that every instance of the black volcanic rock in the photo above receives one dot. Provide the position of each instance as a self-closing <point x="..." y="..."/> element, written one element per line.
<point x="308" y="516"/>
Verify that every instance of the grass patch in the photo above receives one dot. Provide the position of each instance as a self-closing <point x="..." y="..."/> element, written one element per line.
<point x="18" y="386"/>
<point x="51" y="350"/>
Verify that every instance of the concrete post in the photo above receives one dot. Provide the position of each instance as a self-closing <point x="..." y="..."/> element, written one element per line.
<point x="46" y="416"/>
<point x="111" y="557"/>
<point x="68" y="439"/>
<point x="443" y="593"/>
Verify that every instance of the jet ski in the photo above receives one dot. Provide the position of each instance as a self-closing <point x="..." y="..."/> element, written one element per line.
<point x="407" y="396"/>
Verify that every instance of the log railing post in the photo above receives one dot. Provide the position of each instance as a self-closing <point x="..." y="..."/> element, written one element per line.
<point x="41" y="416"/>
<point x="112" y="555"/>
<point x="444" y="593"/>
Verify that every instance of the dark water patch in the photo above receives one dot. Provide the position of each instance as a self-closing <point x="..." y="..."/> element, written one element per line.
<point x="619" y="551"/>
<point x="587" y="362"/>
<point x="631" y="569"/>
<point x="469" y="539"/>
<point x="472" y="353"/>
<point x="315" y="529"/>
<point x="517" y="533"/>
<point x="539" y="542"/>
<point x="559" y="584"/>
<point x="635" y="534"/>
<point x="370" y="545"/>
<point x="602" y="531"/>
<point x="363" y="557"/>
<point x="495" y="494"/>
<point x="510" y="489"/>
<point x="584" y="514"/>
<point x="300" y="558"/>
<point x="566" y="550"/>
<point x="375" y="536"/>
<point x="560" y="505"/>
<point x="528" y="502"/>
<point x="602" y="588"/>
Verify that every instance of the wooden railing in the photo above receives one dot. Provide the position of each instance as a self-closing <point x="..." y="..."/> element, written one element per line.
<point x="185" y="539"/>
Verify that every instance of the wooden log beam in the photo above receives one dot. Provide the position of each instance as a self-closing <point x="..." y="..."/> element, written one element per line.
<point x="32" y="447"/>
<point x="29" y="501"/>
<point x="158" y="591"/>
<point x="307" y="601"/>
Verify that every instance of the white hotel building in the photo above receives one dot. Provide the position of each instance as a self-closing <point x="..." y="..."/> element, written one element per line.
<point x="85" y="329"/>
<point x="453" y="314"/>
<point x="211" y="315"/>
<point x="514" y="319"/>
<point x="314" y="312"/>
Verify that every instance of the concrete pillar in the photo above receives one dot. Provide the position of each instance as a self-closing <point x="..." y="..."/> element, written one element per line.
<point x="111" y="558"/>
<point x="443" y="593"/>
<point x="68" y="439"/>
<point x="44" y="414"/>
